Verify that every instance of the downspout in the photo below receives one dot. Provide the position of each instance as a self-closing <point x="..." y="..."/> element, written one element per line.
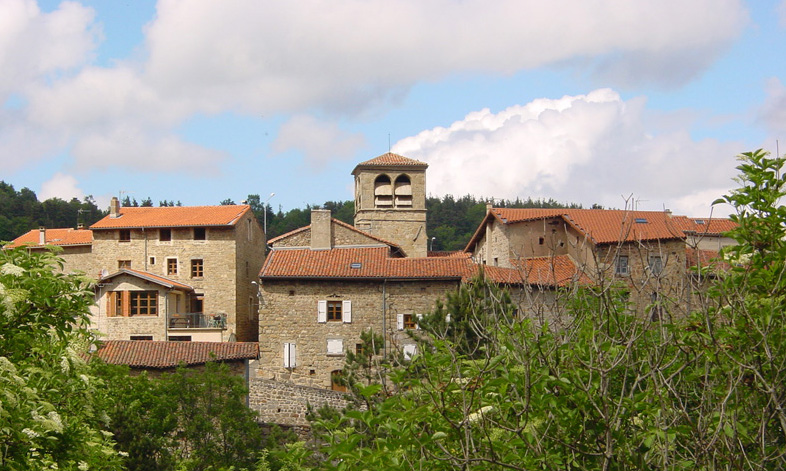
<point x="384" y="318"/>
<point x="145" y="233"/>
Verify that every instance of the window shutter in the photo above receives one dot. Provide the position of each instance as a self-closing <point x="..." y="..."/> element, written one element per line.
<point x="410" y="351"/>
<point x="111" y="303"/>
<point x="126" y="298"/>
<point x="418" y="317"/>
<point x="322" y="311"/>
<point x="289" y="355"/>
<point x="400" y="321"/>
<point x="335" y="346"/>
<point x="447" y="318"/>
<point x="346" y="311"/>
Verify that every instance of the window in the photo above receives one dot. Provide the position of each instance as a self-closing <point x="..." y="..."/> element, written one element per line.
<point x="289" y="355"/>
<point x="541" y="240"/>
<point x="123" y="264"/>
<point x="656" y="264"/>
<point x="334" y="311"/>
<point x="152" y="260"/>
<point x="335" y="346"/>
<point x="407" y="321"/>
<point x="621" y="265"/>
<point x="124" y="235"/>
<point x="337" y="381"/>
<point x="197" y="302"/>
<point x="383" y="191"/>
<point x="165" y="235"/>
<point x="171" y="266"/>
<point x="403" y="191"/>
<point x="197" y="268"/>
<point x="179" y="338"/>
<point x="199" y="233"/>
<point x="143" y="303"/>
<point x="141" y="337"/>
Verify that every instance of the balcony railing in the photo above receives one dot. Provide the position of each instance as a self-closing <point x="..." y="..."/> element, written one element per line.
<point x="198" y="320"/>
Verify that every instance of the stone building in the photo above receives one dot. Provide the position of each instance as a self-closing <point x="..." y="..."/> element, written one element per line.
<point x="74" y="246"/>
<point x="177" y="273"/>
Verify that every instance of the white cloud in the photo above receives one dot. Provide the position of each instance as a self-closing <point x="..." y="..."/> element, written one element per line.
<point x="781" y="11"/>
<point x="34" y="44"/>
<point x="287" y="56"/>
<point x="320" y="142"/>
<point x="773" y="112"/>
<point x="61" y="186"/>
<point x="594" y="148"/>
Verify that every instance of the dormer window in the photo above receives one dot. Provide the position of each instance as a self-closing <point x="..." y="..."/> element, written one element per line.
<point x="383" y="191"/>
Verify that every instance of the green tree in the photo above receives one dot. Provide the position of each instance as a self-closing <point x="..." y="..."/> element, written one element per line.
<point x="51" y="405"/>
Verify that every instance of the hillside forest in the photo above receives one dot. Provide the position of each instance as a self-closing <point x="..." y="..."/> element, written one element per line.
<point x="450" y="221"/>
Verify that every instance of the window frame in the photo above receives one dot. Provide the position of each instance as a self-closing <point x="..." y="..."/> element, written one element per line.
<point x="203" y="231"/>
<point x="135" y="300"/>
<point x="618" y="265"/>
<point x="197" y="268"/>
<point x="124" y="235"/>
<point x="165" y="234"/>
<point x="169" y="264"/>
<point x="655" y="264"/>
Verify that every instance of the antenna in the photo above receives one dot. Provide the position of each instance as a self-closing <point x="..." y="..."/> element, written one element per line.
<point x="777" y="150"/>
<point x="388" y="143"/>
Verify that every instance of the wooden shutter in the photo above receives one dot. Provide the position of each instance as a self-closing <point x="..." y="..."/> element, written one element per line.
<point x="346" y="311"/>
<point x="111" y="302"/>
<point x="322" y="311"/>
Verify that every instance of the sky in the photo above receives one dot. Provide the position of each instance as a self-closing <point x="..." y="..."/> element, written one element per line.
<point x="626" y="104"/>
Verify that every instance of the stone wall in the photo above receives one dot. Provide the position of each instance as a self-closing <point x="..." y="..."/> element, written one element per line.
<point x="286" y="403"/>
<point x="289" y="315"/>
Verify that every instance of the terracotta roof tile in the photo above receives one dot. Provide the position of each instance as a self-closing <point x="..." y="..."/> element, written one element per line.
<point x="61" y="237"/>
<point x="602" y="226"/>
<point x="174" y="216"/>
<point x="374" y="263"/>
<point x="150" y="354"/>
<point x="705" y="226"/>
<point x="391" y="160"/>
<point x="149" y="277"/>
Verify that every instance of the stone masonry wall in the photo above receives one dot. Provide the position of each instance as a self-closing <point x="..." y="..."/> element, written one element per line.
<point x="287" y="403"/>
<point x="289" y="315"/>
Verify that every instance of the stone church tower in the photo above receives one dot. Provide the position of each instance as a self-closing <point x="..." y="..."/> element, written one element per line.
<point x="390" y="201"/>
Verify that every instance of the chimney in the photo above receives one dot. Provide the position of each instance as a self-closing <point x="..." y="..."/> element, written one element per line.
<point x="114" y="207"/>
<point x="321" y="229"/>
<point x="42" y="235"/>
<point x="80" y="226"/>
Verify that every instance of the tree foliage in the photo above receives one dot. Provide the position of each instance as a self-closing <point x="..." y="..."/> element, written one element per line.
<point x="51" y="405"/>
<point x="603" y="387"/>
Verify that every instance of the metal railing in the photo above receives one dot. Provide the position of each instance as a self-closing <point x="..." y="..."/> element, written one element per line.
<point x="197" y="320"/>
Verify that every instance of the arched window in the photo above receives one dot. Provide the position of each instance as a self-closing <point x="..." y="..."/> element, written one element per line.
<point x="336" y="383"/>
<point x="403" y="191"/>
<point x="383" y="191"/>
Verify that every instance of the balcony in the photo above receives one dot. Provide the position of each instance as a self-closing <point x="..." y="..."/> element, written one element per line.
<point x="197" y="320"/>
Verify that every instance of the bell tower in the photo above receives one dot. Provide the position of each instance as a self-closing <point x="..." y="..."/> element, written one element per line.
<point x="390" y="201"/>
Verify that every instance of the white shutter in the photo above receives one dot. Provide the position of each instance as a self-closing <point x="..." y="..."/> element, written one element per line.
<point x="335" y="346"/>
<point x="410" y="351"/>
<point x="346" y="313"/>
<point x="418" y="317"/>
<point x="322" y="311"/>
<point x="400" y="321"/>
<point x="447" y="318"/>
<point x="289" y="355"/>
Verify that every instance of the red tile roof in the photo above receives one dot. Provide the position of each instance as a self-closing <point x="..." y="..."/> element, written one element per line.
<point x="602" y="226"/>
<point x="375" y="263"/>
<point x="149" y="277"/>
<point x="705" y="226"/>
<point x="174" y="216"/>
<point x="62" y="237"/>
<point x="391" y="160"/>
<point x="150" y="354"/>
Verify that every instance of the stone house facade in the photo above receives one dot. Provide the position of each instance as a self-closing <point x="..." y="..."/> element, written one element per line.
<point x="74" y="246"/>
<point x="178" y="273"/>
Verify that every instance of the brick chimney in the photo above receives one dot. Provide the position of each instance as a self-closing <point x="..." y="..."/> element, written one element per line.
<point x="42" y="235"/>
<point x="321" y="229"/>
<point x="114" y="207"/>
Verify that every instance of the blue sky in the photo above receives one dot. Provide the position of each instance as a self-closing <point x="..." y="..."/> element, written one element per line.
<point x="615" y="102"/>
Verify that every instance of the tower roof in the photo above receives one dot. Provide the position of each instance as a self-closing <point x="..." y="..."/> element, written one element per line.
<point x="391" y="160"/>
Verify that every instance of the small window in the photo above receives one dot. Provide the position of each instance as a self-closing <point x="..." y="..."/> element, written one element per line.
<point x="124" y="235"/>
<point x="334" y="310"/>
<point x="337" y="381"/>
<point x="656" y="264"/>
<point x="290" y="355"/>
<point x="171" y="266"/>
<point x="541" y="240"/>
<point x="123" y="264"/>
<point x="141" y="337"/>
<point x="179" y="338"/>
<point x="621" y="265"/>
<point x="699" y="221"/>
<point x="197" y="268"/>
<point x="335" y="346"/>
<point x="199" y="233"/>
<point x="165" y="235"/>
<point x="641" y="221"/>
<point x="152" y="260"/>
<point x="358" y="349"/>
